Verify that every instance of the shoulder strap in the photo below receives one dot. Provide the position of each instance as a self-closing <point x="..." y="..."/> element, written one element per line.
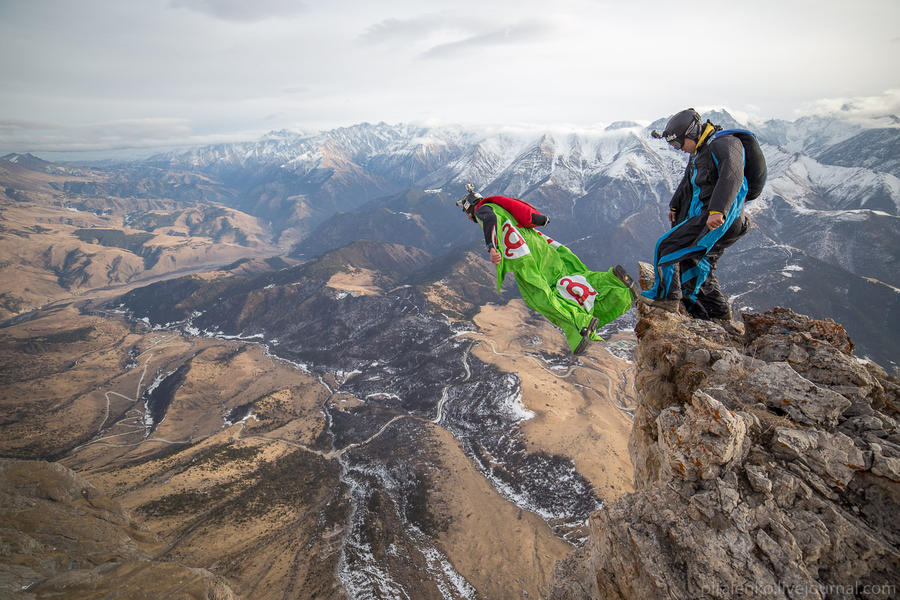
<point x="732" y="132"/>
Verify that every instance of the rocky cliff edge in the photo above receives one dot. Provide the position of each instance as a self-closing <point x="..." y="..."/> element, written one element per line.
<point x="766" y="465"/>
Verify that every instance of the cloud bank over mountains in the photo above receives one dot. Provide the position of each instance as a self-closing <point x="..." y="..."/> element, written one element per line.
<point x="865" y="110"/>
<point x="102" y="75"/>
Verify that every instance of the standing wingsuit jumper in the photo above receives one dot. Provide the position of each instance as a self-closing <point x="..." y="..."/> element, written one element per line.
<point x="725" y="170"/>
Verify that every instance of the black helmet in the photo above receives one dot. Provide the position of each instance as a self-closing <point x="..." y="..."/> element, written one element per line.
<point x="684" y="124"/>
<point x="470" y="200"/>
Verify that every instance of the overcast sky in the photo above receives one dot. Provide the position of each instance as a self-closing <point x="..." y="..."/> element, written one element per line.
<point x="99" y="74"/>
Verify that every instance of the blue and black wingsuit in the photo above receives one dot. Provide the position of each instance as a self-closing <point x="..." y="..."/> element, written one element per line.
<point x="726" y="170"/>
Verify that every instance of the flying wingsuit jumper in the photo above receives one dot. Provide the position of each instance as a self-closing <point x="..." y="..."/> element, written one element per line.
<point x="551" y="279"/>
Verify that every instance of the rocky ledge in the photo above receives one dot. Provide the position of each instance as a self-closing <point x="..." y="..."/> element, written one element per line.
<point x="766" y="465"/>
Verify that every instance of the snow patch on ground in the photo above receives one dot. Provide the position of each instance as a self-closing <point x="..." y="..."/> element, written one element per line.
<point x="512" y="405"/>
<point x="147" y="419"/>
<point x="383" y="396"/>
<point x="452" y="584"/>
<point x="358" y="568"/>
<point x="249" y="416"/>
<point x="343" y="376"/>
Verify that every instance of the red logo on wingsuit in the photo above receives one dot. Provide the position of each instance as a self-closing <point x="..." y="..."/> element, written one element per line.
<point x="577" y="289"/>
<point x="553" y="243"/>
<point x="514" y="245"/>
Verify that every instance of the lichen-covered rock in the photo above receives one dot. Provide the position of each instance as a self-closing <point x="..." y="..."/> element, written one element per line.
<point x="697" y="441"/>
<point x="886" y="460"/>
<point x="783" y="389"/>
<point x="832" y="456"/>
<point x="767" y="465"/>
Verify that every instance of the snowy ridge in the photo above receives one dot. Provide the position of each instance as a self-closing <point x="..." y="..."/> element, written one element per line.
<point x="432" y="157"/>
<point x="359" y="571"/>
<point x="515" y="162"/>
<point x="808" y="183"/>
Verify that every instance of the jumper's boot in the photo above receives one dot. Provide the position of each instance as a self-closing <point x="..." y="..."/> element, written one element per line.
<point x="669" y="305"/>
<point x="586" y="333"/>
<point x="631" y="284"/>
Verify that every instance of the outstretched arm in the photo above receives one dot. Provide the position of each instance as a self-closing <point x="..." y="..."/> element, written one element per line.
<point x="488" y="219"/>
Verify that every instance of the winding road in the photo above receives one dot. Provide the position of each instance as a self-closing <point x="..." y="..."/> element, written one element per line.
<point x="134" y="417"/>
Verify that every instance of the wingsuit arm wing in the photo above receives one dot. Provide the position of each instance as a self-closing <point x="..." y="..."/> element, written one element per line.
<point x="728" y="153"/>
<point x="488" y="219"/>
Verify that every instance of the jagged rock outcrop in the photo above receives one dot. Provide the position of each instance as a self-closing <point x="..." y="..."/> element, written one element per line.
<point x="766" y="465"/>
<point x="61" y="538"/>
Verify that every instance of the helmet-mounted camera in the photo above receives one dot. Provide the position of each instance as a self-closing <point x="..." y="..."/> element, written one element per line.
<point x="682" y="125"/>
<point x="470" y="200"/>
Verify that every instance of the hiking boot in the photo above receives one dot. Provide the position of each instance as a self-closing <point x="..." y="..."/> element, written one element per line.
<point x="631" y="284"/>
<point x="669" y="305"/>
<point x="729" y="325"/>
<point x="586" y="333"/>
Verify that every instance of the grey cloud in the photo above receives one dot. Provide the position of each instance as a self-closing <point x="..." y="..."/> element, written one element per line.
<point x="15" y="126"/>
<point x="869" y="111"/>
<point x="242" y="10"/>
<point x="519" y="33"/>
<point x="28" y="136"/>
<point x="398" y="30"/>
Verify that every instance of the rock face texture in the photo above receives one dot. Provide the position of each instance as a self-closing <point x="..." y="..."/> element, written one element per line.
<point x="766" y="465"/>
<point x="61" y="538"/>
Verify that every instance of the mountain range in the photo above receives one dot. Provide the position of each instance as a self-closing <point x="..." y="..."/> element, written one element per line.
<point x="824" y="242"/>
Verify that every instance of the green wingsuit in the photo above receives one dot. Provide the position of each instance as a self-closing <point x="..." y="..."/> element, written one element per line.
<point x="554" y="282"/>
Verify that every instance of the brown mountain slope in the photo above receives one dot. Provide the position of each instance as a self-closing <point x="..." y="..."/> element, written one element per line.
<point x="263" y="502"/>
<point x="62" y="537"/>
<point x="55" y="243"/>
